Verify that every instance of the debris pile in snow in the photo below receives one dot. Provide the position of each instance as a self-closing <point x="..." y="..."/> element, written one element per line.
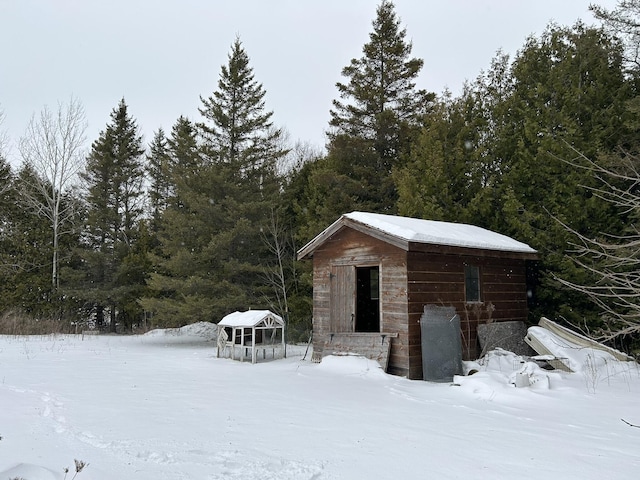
<point x="570" y="351"/>
<point x="500" y="370"/>
<point x="559" y="348"/>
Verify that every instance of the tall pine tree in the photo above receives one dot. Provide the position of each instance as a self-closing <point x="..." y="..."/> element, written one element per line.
<point x="380" y="98"/>
<point x="181" y="285"/>
<point x="379" y="112"/>
<point x="237" y="127"/>
<point x="158" y="171"/>
<point x="113" y="263"/>
<point x="212" y="245"/>
<point x="246" y="148"/>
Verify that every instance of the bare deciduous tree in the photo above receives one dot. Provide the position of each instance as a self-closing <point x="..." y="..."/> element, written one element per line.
<point x="277" y="275"/>
<point x="613" y="260"/>
<point x="4" y="138"/>
<point x="296" y="157"/>
<point x="5" y="184"/>
<point x="53" y="149"/>
<point x="623" y="21"/>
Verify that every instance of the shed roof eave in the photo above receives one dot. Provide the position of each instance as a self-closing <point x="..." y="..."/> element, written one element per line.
<point x="342" y="222"/>
<point x="483" y="252"/>
<point x="307" y="250"/>
<point x="378" y="234"/>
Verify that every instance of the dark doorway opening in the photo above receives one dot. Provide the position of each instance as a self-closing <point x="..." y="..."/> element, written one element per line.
<point x="367" y="299"/>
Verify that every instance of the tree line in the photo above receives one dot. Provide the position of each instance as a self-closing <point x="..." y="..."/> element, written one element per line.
<point x="207" y="218"/>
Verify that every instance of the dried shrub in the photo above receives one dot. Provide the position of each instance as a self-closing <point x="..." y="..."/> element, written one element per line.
<point x="15" y="322"/>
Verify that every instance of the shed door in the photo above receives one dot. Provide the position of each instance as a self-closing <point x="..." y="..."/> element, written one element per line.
<point x="343" y="301"/>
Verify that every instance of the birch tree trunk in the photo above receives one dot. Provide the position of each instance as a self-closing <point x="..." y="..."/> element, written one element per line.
<point x="52" y="148"/>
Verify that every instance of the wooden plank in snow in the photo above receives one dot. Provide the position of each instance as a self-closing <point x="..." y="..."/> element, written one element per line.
<point x="375" y="346"/>
<point x="559" y="363"/>
<point x="576" y="338"/>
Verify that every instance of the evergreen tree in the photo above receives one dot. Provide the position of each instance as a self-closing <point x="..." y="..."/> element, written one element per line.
<point x="185" y="158"/>
<point x="455" y="167"/>
<point x="7" y="192"/>
<point x="444" y="172"/>
<point x="380" y="95"/>
<point x="181" y="286"/>
<point x="497" y="156"/>
<point x="11" y="260"/>
<point x="372" y="126"/>
<point x="212" y="246"/>
<point x="237" y="127"/>
<point x="246" y="150"/>
<point x="569" y="93"/>
<point x="25" y="262"/>
<point x="114" y="177"/>
<point x="321" y="196"/>
<point x="158" y="167"/>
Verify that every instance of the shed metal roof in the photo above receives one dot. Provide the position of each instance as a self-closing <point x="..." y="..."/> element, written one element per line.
<point x="401" y="231"/>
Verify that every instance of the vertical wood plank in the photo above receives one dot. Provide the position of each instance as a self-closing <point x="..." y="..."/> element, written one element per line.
<point x="343" y="306"/>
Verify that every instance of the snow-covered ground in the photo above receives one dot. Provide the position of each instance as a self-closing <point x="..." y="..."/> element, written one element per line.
<point x="162" y="406"/>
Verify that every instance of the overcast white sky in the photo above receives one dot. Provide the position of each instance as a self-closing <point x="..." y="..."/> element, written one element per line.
<point x="161" y="55"/>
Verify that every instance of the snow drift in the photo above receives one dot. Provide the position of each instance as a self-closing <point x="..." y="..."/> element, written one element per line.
<point x="162" y="406"/>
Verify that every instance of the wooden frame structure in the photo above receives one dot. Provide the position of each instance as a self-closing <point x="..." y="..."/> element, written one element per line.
<point x="253" y="330"/>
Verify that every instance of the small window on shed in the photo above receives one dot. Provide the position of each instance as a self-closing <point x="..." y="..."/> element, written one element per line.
<point x="472" y="283"/>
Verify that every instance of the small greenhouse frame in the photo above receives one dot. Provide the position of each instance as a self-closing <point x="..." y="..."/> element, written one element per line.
<point x="242" y="332"/>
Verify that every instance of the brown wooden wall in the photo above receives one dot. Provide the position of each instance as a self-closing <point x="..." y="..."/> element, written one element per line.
<point x="409" y="281"/>
<point x="437" y="278"/>
<point x="349" y="248"/>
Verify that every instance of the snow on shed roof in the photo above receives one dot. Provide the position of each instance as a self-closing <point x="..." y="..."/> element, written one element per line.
<point x="250" y="318"/>
<point x="424" y="231"/>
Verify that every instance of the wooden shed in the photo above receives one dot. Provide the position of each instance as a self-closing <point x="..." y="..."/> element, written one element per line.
<point x="373" y="275"/>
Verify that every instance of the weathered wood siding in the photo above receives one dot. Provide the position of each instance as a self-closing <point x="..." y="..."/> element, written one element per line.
<point x="438" y="278"/>
<point x="376" y="346"/>
<point x="424" y="275"/>
<point x="334" y="266"/>
<point x="342" y="298"/>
